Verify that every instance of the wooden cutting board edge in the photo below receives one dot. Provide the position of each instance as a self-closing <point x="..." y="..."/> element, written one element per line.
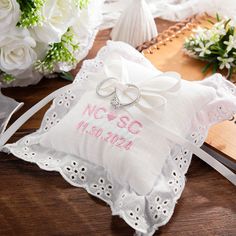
<point x="150" y="48"/>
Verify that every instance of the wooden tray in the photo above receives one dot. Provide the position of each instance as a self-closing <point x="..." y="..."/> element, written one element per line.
<point x="166" y="53"/>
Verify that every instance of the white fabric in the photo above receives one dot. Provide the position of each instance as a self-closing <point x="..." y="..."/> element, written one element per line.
<point x="126" y="167"/>
<point x="148" y="95"/>
<point x="85" y="30"/>
<point x="8" y="108"/>
<point x="136" y="24"/>
<point x="174" y="10"/>
<point x="143" y="213"/>
<point x="6" y="135"/>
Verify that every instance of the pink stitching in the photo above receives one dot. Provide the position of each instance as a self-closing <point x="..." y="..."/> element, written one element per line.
<point x="132" y="124"/>
<point x="96" y="112"/>
<point x="116" y="140"/>
<point x="88" y="108"/>
<point x="111" y="116"/>
<point x="122" y="124"/>
<point x="122" y="121"/>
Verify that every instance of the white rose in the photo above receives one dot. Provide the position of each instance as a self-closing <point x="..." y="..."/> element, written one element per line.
<point x="9" y="14"/>
<point x="88" y="21"/>
<point x="58" y="16"/>
<point x="86" y="27"/>
<point x="28" y="77"/>
<point x="16" y="53"/>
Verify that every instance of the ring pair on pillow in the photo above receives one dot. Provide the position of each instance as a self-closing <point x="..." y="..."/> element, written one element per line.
<point x="134" y="153"/>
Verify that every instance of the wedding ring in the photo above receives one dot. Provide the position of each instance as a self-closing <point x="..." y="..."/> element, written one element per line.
<point x="116" y="100"/>
<point x="116" y="103"/>
<point x="99" y="88"/>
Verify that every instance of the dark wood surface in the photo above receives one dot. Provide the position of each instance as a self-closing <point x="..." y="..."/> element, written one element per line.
<point x="41" y="203"/>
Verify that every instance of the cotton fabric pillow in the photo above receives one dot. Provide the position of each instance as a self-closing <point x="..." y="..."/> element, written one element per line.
<point x="120" y="155"/>
<point x="118" y="140"/>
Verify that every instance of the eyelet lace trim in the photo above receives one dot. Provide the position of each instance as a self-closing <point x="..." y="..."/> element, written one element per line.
<point x="143" y="213"/>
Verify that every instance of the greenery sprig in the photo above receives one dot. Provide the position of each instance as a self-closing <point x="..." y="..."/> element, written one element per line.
<point x="30" y="12"/>
<point x="216" y="45"/>
<point x="6" y="78"/>
<point x="59" y="52"/>
<point x="81" y="3"/>
<point x="60" y="56"/>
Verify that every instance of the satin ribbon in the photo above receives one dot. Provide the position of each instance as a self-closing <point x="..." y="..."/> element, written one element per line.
<point x="152" y="91"/>
<point x="165" y="131"/>
<point x="8" y="107"/>
<point x="152" y="96"/>
<point x="4" y="137"/>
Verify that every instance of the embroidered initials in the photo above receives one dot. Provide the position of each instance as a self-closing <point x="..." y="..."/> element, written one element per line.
<point x="122" y="121"/>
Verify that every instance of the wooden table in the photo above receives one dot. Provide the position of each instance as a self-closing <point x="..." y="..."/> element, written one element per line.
<point x="41" y="203"/>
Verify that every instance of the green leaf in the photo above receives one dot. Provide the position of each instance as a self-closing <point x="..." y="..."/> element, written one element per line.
<point x="81" y="3"/>
<point x="30" y="12"/>
<point x="215" y="67"/>
<point x="206" y="67"/>
<point x="227" y="22"/>
<point x="210" y="21"/>
<point x="59" y="52"/>
<point x="217" y="47"/>
<point x="7" y="78"/>
<point x="230" y="72"/>
<point x="67" y="76"/>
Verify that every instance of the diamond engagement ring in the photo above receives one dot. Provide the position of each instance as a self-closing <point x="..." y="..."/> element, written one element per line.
<point x="117" y="98"/>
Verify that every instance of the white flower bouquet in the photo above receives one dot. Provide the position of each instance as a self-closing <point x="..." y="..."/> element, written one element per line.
<point x="216" y="45"/>
<point x="40" y="37"/>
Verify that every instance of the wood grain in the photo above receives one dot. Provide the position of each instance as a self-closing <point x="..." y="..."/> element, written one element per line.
<point x="167" y="55"/>
<point x="39" y="203"/>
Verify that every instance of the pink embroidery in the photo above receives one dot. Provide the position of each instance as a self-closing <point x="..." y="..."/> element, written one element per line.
<point x="111" y="116"/>
<point x="100" y="110"/>
<point x="132" y="127"/>
<point x="110" y="137"/>
<point x="123" y="122"/>
<point x="89" y="109"/>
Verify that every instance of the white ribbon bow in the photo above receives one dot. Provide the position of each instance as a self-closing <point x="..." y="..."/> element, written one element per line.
<point x="149" y="94"/>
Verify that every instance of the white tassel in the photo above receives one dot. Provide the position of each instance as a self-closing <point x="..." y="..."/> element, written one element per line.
<point x="136" y="24"/>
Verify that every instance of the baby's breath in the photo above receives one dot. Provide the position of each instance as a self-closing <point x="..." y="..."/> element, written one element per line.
<point x="81" y="3"/>
<point x="6" y="78"/>
<point x="62" y="52"/>
<point x="30" y="12"/>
